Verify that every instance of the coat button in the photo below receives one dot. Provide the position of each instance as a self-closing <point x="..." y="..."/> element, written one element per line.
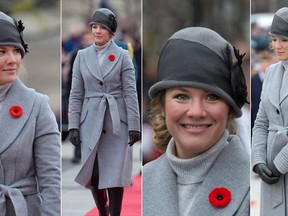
<point x="104" y="131"/>
<point x="277" y="111"/>
<point x="101" y="83"/>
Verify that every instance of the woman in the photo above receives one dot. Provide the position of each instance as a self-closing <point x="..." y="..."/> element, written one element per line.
<point x="199" y="91"/>
<point x="269" y="141"/>
<point x="103" y="114"/>
<point x="30" y="140"/>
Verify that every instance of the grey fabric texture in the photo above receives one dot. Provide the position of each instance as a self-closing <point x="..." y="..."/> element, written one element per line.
<point x="279" y="26"/>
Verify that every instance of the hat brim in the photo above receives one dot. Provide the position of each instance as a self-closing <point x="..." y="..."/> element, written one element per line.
<point x="15" y="44"/>
<point x="167" y="84"/>
<point x="280" y="36"/>
<point x="95" y="23"/>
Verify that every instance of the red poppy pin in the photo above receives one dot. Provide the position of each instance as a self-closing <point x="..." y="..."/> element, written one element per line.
<point x="16" y="111"/>
<point x="111" y="57"/>
<point x="220" y="197"/>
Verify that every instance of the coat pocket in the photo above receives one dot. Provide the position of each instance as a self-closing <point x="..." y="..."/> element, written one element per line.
<point x="83" y="115"/>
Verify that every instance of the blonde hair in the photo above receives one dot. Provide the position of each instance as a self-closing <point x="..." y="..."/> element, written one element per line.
<point x="161" y="135"/>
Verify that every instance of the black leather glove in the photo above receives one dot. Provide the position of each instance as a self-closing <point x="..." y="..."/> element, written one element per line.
<point x="274" y="170"/>
<point x="74" y="137"/>
<point x="266" y="174"/>
<point x="134" y="136"/>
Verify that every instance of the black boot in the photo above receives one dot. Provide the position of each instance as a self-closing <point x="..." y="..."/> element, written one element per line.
<point x="115" y="200"/>
<point x="100" y="198"/>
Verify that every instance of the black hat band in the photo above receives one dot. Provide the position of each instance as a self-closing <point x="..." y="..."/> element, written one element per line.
<point x="204" y="67"/>
<point x="279" y="27"/>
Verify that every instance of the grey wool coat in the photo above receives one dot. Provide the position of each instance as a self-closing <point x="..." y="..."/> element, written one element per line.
<point x="29" y="155"/>
<point x="270" y="141"/>
<point x="230" y="170"/>
<point x="103" y="105"/>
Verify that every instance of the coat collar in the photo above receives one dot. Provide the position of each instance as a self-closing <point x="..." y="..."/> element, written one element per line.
<point x="284" y="86"/>
<point x="10" y="127"/>
<point x="91" y="60"/>
<point x="164" y="188"/>
<point x="237" y="184"/>
<point x="274" y="84"/>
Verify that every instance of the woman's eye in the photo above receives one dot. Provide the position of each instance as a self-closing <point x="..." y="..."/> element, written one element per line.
<point x="2" y="52"/>
<point x="17" y="50"/>
<point x="212" y="97"/>
<point x="181" y="97"/>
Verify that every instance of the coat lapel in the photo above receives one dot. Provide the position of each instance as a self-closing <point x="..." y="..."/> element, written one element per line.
<point x="218" y="176"/>
<point x="167" y="200"/>
<point x="274" y="84"/>
<point x="284" y="87"/>
<point x="112" y="56"/>
<point x="10" y="127"/>
<point x="92" y="63"/>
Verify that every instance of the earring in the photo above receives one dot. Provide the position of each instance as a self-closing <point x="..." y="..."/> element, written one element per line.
<point x="163" y="114"/>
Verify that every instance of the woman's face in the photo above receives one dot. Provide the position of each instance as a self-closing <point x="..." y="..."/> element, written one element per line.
<point x="195" y="118"/>
<point x="280" y="47"/>
<point x="10" y="59"/>
<point x="101" y="34"/>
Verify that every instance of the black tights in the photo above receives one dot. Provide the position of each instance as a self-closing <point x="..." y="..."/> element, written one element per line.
<point x="100" y="195"/>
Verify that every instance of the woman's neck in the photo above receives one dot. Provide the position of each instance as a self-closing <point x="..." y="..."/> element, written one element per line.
<point x="102" y="47"/>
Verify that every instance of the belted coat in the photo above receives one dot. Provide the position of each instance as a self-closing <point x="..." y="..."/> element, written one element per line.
<point x="103" y="105"/>
<point x="270" y="140"/>
<point x="29" y="155"/>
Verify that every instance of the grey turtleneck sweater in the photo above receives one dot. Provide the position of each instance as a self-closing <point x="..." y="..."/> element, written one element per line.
<point x="192" y="172"/>
<point x="3" y="91"/>
<point x="101" y="51"/>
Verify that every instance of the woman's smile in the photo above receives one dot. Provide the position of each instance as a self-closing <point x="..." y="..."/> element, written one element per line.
<point x="195" y="118"/>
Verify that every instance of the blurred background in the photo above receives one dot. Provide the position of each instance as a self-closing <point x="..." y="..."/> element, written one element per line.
<point x="41" y="70"/>
<point x="76" y="35"/>
<point x="262" y="13"/>
<point x="231" y="19"/>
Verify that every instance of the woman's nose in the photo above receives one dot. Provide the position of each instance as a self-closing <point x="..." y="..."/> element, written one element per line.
<point x="196" y="109"/>
<point x="277" y="44"/>
<point x="11" y="57"/>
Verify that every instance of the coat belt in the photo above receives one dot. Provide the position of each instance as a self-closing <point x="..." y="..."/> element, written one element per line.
<point x="109" y="99"/>
<point x="280" y="140"/>
<point x="16" y="192"/>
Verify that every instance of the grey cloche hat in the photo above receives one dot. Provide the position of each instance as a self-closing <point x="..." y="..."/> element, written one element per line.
<point x="106" y="18"/>
<point x="199" y="57"/>
<point x="12" y="33"/>
<point x="279" y="26"/>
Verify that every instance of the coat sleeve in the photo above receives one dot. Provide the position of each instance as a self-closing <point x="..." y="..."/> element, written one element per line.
<point x="130" y="94"/>
<point x="281" y="160"/>
<point x="47" y="158"/>
<point x="76" y="95"/>
<point x="260" y="132"/>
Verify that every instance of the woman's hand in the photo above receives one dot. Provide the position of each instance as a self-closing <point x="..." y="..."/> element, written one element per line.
<point x="274" y="170"/>
<point x="266" y="174"/>
<point x="74" y="137"/>
<point x="134" y="136"/>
